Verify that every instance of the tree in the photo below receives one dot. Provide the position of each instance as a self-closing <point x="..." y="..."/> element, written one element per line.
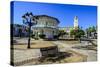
<point x="77" y="33"/>
<point x="29" y="20"/>
<point x="20" y="32"/>
<point x="62" y="32"/>
<point x="90" y="30"/>
<point x="42" y="36"/>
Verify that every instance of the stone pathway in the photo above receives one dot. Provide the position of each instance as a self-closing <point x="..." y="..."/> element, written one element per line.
<point x="91" y="54"/>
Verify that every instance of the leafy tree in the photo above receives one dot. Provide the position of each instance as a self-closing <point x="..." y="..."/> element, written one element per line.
<point x="42" y="36"/>
<point x="29" y="20"/>
<point x="62" y="32"/>
<point x="90" y="30"/>
<point x="20" y="32"/>
<point x="77" y="33"/>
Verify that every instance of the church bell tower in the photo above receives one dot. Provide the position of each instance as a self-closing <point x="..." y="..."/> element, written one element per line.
<point x="75" y="22"/>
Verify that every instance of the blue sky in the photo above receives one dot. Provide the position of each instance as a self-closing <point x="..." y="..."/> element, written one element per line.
<point x="63" y="12"/>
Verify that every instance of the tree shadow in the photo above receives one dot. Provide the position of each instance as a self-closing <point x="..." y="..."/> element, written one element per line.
<point x="53" y="58"/>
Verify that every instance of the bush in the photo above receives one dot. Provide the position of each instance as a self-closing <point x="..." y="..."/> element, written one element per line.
<point x="77" y="33"/>
<point x="36" y="38"/>
<point x="55" y="36"/>
<point x="42" y="36"/>
<point x="33" y="36"/>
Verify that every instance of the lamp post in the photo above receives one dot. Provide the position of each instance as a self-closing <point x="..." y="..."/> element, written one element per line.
<point x="29" y="20"/>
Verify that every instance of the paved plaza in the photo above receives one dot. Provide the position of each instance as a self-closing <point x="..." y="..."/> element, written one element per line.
<point x="21" y="53"/>
<point x="91" y="54"/>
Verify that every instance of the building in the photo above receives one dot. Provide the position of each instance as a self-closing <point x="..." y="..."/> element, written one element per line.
<point x="46" y="25"/>
<point x="20" y="30"/>
<point x="68" y="29"/>
<point x="76" y="22"/>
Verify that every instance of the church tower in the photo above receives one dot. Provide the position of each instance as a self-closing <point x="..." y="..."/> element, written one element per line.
<point x="75" y="22"/>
